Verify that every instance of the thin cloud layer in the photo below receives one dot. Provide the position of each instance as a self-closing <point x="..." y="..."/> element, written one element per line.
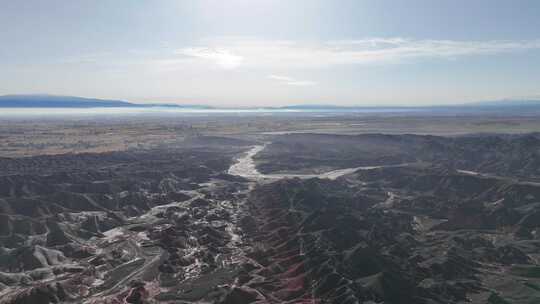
<point x="291" y="81"/>
<point x="255" y="53"/>
<point x="220" y="56"/>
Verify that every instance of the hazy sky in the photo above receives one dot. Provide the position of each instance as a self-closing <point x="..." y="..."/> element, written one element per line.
<point x="248" y="52"/>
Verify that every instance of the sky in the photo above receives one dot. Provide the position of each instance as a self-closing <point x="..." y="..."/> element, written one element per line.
<point x="273" y="53"/>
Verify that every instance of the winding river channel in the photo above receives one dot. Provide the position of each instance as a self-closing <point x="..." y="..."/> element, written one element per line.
<point x="245" y="167"/>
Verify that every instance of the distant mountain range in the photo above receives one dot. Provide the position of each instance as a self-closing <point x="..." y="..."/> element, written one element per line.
<point x="53" y="101"/>
<point x="507" y="103"/>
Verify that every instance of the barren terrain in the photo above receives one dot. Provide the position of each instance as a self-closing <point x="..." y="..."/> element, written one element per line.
<point x="174" y="212"/>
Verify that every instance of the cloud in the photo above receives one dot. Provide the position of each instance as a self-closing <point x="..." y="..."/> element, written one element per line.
<point x="220" y="56"/>
<point x="232" y="53"/>
<point x="291" y="81"/>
